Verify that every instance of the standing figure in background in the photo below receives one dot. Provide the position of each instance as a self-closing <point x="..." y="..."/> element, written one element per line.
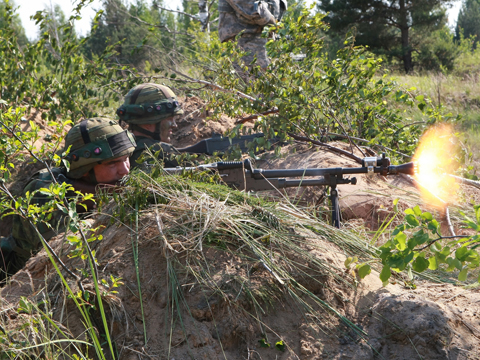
<point x="250" y="17"/>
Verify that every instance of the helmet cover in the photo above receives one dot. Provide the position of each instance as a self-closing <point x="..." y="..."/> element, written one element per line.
<point x="95" y="140"/>
<point x="149" y="104"/>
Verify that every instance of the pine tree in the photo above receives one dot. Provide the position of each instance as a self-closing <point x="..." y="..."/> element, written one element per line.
<point x="385" y="26"/>
<point x="469" y="20"/>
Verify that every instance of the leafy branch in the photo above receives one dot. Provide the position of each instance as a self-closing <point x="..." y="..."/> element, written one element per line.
<point x="406" y="250"/>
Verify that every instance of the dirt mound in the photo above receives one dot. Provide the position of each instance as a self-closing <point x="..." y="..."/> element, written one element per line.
<point x="398" y="322"/>
<point x="403" y="326"/>
<point x="203" y="299"/>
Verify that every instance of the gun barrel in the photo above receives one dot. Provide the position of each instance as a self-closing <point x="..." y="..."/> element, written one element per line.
<point x="408" y="168"/>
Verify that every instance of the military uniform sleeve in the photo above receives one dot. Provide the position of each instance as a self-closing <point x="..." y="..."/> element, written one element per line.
<point x="163" y="151"/>
<point x="167" y="153"/>
<point x="24" y="234"/>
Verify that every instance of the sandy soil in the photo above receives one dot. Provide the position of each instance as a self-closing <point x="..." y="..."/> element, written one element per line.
<point x="434" y="321"/>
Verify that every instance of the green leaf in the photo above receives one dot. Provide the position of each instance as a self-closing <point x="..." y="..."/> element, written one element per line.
<point x="264" y="343"/>
<point x="445" y="251"/>
<point x="453" y="263"/>
<point x="396" y="262"/>
<point x="433" y="225"/>
<point x="395" y="205"/>
<point x="385" y="274"/>
<point x="409" y="212"/>
<point x="363" y="270"/>
<point x="411" y="243"/>
<point x="279" y="345"/>
<point x="420" y="264"/>
<point x="350" y="260"/>
<point x="417" y="211"/>
<point x="462" y="275"/>
<point x="412" y="220"/>
<point x="427" y="216"/>
<point x="408" y="257"/>
<point x="421" y="237"/>
<point x="457" y="263"/>
<point x="401" y="241"/>
<point x="461" y="253"/>
<point x="433" y="263"/>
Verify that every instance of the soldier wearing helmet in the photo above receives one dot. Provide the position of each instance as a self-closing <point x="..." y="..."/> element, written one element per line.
<point x="249" y="17"/>
<point x="150" y="111"/>
<point x="99" y="151"/>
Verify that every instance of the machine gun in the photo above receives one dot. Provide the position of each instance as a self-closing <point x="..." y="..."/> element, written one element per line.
<point x="219" y="143"/>
<point x="241" y="175"/>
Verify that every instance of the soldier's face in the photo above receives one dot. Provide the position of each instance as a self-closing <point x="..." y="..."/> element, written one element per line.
<point x="166" y="129"/>
<point x="109" y="172"/>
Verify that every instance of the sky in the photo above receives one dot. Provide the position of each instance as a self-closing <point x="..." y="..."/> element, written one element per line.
<point x="28" y="8"/>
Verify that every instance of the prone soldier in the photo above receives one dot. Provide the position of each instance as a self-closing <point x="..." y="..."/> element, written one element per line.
<point x="99" y="157"/>
<point x="150" y="110"/>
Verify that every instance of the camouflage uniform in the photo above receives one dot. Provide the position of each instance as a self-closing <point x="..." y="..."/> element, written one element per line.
<point x="165" y="151"/>
<point x="150" y="104"/>
<point x="24" y="240"/>
<point x="250" y="17"/>
<point x="91" y="142"/>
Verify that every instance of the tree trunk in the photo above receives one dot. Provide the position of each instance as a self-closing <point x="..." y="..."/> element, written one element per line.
<point x="406" y="51"/>
<point x="204" y="15"/>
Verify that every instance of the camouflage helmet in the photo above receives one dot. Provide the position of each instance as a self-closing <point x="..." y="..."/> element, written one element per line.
<point x="93" y="141"/>
<point x="149" y="104"/>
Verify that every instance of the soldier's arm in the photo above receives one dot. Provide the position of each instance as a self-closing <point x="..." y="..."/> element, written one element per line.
<point x="89" y="188"/>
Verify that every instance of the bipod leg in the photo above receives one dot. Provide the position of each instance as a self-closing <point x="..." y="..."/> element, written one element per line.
<point x="335" y="207"/>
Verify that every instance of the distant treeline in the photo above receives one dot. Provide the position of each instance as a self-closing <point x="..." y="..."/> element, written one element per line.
<point x="409" y="35"/>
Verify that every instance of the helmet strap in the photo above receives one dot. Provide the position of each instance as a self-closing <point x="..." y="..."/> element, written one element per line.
<point x="154" y="135"/>
<point x="92" y="177"/>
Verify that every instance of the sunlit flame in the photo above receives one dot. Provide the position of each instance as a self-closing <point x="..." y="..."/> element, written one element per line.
<point x="435" y="157"/>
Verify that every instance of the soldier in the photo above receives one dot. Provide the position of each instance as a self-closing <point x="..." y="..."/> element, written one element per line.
<point x="99" y="157"/>
<point x="150" y="111"/>
<point x="250" y="17"/>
